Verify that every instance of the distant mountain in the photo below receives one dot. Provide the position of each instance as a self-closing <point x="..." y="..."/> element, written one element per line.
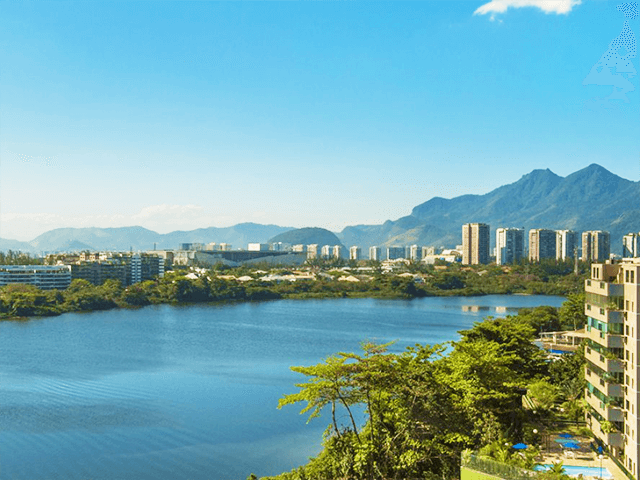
<point x="307" y="236"/>
<point x="139" y="238"/>
<point x="15" y="245"/>
<point x="589" y="199"/>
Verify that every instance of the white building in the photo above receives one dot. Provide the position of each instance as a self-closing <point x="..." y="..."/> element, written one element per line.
<point x="566" y="243"/>
<point x="509" y="245"/>
<point x="354" y="253"/>
<point x="312" y="251"/>
<point x="45" y="277"/>
<point x="258" y="247"/>
<point x="630" y="244"/>
<point x="375" y="253"/>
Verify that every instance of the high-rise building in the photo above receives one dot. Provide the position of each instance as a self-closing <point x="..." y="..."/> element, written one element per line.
<point x="475" y="243"/>
<point x="566" y="243"/>
<point x="415" y="253"/>
<point x="595" y="246"/>
<point x="630" y="244"/>
<point x="393" y="253"/>
<point x="312" y="251"/>
<point x="336" y="251"/>
<point x="509" y="245"/>
<point x="542" y="244"/>
<point x="428" y="251"/>
<point x="375" y="253"/>
<point x="354" y="253"/>
<point x="612" y="305"/>
<point x="325" y="251"/>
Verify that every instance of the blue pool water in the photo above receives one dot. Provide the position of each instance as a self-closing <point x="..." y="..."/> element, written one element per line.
<point x="574" y="471"/>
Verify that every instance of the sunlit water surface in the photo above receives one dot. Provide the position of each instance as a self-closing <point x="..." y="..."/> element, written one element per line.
<point x="191" y="392"/>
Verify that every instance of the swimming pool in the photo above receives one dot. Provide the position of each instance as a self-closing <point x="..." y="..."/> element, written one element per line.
<point x="574" y="471"/>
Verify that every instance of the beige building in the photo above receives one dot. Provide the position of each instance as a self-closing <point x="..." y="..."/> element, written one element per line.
<point x="312" y="251"/>
<point x="595" y="246"/>
<point x="542" y="244"/>
<point x="613" y="345"/>
<point x="475" y="243"/>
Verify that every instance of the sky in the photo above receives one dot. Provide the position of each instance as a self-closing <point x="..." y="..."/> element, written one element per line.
<point x="184" y="115"/>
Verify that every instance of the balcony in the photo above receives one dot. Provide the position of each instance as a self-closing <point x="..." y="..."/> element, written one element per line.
<point x="614" y="439"/>
<point x="606" y="364"/>
<point x="607" y="412"/>
<point x="604" y="314"/>
<point x="607" y="340"/>
<point x="604" y="288"/>
<point x="606" y="384"/>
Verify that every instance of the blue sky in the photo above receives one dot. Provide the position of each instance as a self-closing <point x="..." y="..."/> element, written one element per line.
<point x="180" y="115"/>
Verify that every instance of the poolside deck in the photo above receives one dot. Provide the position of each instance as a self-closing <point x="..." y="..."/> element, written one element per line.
<point x="583" y="459"/>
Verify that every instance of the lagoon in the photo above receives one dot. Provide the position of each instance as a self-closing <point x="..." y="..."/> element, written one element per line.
<point x="191" y="392"/>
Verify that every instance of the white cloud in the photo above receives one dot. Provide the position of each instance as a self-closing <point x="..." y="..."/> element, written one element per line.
<point x="547" y="6"/>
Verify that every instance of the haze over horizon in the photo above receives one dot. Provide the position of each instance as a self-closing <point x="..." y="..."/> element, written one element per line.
<point x="177" y="116"/>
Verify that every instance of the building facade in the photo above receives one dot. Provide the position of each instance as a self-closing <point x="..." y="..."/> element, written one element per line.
<point x="542" y="244"/>
<point x="45" y="277"/>
<point x="312" y="251"/>
<point x="566" y="244"/>
<point x="612" y="298"/>
<point x="415" y="253"/>
<point x="509" y="245"/>
<point x="475" y="244"/>
<point x="354" y="253"/>
<point x="375" y="253"/>
<point x="394" y="253"/>
<point x="630" y="243"/>
<point x="596" y="246"/>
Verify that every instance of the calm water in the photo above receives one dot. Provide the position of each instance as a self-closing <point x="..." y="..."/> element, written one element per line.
<point x="191" y="393"/>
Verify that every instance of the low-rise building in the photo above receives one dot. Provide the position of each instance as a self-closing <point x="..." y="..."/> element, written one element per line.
<point x="45" y="277"/>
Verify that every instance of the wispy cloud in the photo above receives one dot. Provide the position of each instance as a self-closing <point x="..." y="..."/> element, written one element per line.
<point x="547" y="6"/>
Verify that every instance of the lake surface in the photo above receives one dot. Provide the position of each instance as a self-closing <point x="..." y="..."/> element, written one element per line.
<point x="191" y="392"/>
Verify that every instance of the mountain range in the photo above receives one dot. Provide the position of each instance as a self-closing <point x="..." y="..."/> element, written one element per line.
<point x="590" y="199"/>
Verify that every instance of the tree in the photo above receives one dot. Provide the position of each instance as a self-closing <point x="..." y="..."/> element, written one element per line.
<point x="572" y="311"/>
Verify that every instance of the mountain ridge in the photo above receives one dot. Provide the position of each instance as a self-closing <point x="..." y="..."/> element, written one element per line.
<point x="588" y="199"/>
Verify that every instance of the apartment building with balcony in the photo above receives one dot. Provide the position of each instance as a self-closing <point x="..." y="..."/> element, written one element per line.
<point x="612" y="296"/>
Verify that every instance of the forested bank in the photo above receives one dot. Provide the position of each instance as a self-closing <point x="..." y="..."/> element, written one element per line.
<point x="188" y="286"/>
<point x="426" y="406"/>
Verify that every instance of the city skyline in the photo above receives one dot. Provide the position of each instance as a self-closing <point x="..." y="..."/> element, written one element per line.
<point x="181" y="116"/>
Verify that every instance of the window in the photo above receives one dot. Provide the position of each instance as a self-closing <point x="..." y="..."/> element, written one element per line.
<point x="631" y="274"/>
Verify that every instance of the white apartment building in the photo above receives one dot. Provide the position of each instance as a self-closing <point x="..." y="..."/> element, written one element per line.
<point x="45" y="277"/>
<point x="566" y="244"/>
<point x="354" y="253"/>
<point x="509" y="245"/>
<point x="630" y="244"/>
